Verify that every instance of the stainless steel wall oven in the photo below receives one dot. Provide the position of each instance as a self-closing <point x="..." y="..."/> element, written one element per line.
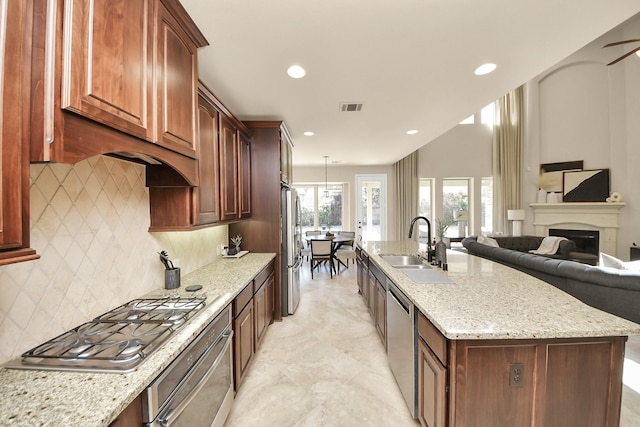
<point x="196" y="390"/>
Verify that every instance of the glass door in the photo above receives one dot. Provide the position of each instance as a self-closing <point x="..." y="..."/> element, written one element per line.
<point x="371" y="207"/>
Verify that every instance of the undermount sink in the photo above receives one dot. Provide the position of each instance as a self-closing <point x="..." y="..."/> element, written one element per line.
<point x="416" y="269"/>
<point x="413" y="267"/>
<point x="404" y="261"/>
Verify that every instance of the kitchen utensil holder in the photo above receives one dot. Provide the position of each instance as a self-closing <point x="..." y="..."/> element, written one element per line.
<point x="172" y="278"/>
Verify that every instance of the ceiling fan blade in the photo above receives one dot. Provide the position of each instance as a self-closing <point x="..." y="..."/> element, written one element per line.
<point x="624" y="56"/>
<point x="621" y="42"/>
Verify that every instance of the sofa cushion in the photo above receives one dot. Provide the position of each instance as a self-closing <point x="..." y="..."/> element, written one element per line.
<point x="483" y="240"/>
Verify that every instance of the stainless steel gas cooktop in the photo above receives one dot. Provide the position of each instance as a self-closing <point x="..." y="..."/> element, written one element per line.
<point x="117" y="341"/>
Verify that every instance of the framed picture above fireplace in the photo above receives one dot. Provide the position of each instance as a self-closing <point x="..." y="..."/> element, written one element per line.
<point x="585" y="185"/>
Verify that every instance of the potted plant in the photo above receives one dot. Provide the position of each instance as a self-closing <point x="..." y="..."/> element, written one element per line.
<point x="236" y="245"/>
<point x="441" y="228"/>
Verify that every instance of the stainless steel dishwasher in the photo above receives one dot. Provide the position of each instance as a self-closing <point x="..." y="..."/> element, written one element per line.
<point x="401" y="344"/>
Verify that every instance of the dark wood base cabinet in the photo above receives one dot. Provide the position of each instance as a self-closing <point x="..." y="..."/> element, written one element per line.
<point x="131" y="416"/>
<point x="252" y="314"/>
<point x="546" y="382"/>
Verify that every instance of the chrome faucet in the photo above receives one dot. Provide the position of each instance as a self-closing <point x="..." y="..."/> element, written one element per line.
<point x="413" y="221"/>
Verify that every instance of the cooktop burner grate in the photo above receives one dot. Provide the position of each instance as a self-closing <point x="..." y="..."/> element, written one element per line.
<point x="116" y="341"/>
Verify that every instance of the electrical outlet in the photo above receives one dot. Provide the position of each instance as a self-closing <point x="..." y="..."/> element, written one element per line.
<point x="516" y="375"/>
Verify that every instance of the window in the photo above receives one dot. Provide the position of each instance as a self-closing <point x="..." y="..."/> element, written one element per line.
<point x="320" y="211"/>
<point x="487" y="115"/>
<point x="425" y="207"/>
<point x="486" y="205"/>
<point x="469" y="120"/>
<point x="455" y="198"/>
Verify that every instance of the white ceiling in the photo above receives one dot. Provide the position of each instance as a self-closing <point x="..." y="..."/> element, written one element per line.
<point x="409" y="62"/>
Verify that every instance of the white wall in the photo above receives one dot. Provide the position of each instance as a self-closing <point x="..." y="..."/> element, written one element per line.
<point x="587" y="111"/>
<point x="463" y="152"/>
<point x="343" y="173"/>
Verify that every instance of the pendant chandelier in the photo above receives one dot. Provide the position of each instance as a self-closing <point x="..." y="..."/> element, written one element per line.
<point x="326" y="185"/>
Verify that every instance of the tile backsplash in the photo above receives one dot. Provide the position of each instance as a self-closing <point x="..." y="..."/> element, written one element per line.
<point x="89" y="224"/>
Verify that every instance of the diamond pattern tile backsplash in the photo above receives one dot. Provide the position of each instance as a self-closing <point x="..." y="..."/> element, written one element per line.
<point x="89" y="223"/>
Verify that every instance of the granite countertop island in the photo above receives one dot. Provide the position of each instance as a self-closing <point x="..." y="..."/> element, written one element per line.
<point x="55" y="398"/>
<point x="491" y="301"/>
<point x="496" y="346"/>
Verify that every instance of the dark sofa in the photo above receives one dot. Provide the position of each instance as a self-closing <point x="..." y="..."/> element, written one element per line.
<point x="608" y="289"/>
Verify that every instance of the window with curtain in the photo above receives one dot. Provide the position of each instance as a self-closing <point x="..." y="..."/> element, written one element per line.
<point x="455" y="197"/>
<point x="486" y="205"/>
<point x="321" y="207"/>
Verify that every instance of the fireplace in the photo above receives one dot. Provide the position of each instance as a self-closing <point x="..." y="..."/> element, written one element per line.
<point x="587" y="243"/>
<point x="598" y="217"/>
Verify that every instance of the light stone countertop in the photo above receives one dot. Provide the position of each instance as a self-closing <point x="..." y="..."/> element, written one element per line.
<point x="489" y="300"/>
<point x="54" y="398"/>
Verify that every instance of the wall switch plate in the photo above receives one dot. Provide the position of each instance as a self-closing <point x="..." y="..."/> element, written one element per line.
<point x="516" y="375"/>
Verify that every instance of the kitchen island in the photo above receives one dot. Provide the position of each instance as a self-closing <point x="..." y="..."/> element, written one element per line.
<point x="55" y="398"/>
<point x="499" y="347"/>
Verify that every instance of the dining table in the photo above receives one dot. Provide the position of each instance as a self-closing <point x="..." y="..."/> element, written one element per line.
<point x="336" y="242"/>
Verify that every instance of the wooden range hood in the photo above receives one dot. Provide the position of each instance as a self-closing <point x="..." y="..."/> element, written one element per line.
<point x="100" y="87"/>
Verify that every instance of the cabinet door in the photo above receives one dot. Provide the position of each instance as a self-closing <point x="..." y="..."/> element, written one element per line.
<point x="242" y="343"/>
<point x="228" y="169"/>
<point x="207" y="195"/>
<point x="131" y="416"/>
<point x="286" y="154"/>
<point x="371" y="294"/>
<point x="177" y="85"/>
<point x="15" y="45"/>
<point x="381" y="312"/>
<point x="106" y="66"/>
<point x="244" y="170"/>
<point x="269" y="293"/>
<point x="359" y="269"/>
<point x="432" y="393"/>
<point x="260" y="314"/>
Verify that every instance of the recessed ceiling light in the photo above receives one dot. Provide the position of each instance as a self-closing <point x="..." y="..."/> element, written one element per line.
<point x="484" y="69"/>
<point x="638" y="52"/>
<point x="296" y="71"/>
<point x="308" y="133"/>
<point x="412" y="132"/>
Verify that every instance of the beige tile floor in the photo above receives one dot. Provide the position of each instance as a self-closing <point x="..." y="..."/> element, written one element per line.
<point x="326" y="366"/>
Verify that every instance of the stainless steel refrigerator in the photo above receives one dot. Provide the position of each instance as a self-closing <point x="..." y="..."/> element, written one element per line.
<point x="291" y="250"/>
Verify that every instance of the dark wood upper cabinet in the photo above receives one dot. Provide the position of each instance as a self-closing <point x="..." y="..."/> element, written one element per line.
<point x="224" y="174"/>
<point x="106" y="71"/>
<point x="244" y="174"/>
<point x="15" y="42"/>
<point x="177" y="73"/>
<point x="229" y="169"/>
<point x="115" y="77"/>
<point x="206" y="197"/>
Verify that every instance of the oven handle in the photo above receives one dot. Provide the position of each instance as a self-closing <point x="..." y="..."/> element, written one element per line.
<point x="165" y="418"/>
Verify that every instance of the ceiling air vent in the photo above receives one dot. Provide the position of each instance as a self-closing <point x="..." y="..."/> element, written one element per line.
<point x="350" y="106"/>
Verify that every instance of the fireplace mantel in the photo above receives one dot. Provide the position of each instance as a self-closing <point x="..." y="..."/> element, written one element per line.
<point x="599" y="216"/>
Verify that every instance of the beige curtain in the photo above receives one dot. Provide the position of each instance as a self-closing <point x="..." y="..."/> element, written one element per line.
<point x="507" y="157"/>
<point x="407" y="186"/>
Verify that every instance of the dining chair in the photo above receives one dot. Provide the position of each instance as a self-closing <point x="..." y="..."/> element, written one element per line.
<point x="346" y="250"/>
<point x="321" y="253"/>
<point x="306" y="245"/>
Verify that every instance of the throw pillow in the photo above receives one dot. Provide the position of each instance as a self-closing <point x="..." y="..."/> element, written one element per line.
<point x="632" y="265"/>
<point x="611" y="261"/>
<point x="488" y="241"/>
